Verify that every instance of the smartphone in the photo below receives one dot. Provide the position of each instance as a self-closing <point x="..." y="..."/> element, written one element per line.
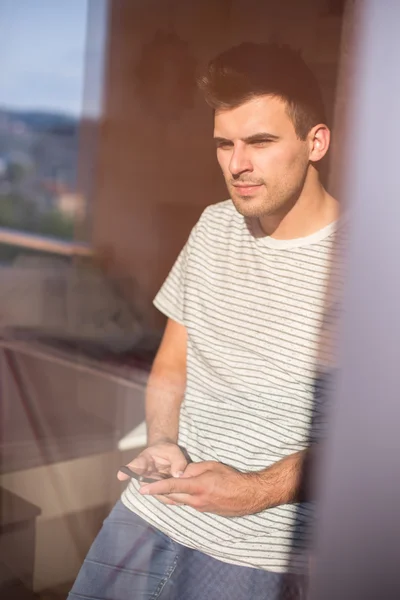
<point x="143" y="478"/>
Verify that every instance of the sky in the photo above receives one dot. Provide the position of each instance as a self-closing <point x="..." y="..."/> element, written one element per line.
<point x="42" y="56"/>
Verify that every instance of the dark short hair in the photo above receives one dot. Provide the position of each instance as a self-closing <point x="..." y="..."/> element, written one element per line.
<point x="251" y="70"/>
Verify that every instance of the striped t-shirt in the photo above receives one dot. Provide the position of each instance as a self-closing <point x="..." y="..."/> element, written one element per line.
<point x="253" y="307"/>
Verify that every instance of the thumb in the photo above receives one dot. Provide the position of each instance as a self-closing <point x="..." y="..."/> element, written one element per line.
<point x="178" y="466"/>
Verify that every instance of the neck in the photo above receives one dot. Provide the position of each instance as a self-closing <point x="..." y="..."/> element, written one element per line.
<point x="309" y="212"/>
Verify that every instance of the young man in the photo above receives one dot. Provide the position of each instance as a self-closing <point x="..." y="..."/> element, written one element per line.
<point x="231" y="394"/>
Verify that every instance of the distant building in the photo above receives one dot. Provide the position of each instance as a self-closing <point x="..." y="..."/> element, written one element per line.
<point x="71" y="205"/>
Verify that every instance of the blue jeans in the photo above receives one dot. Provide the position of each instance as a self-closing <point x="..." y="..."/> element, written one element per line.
<point x="131" y="560"/>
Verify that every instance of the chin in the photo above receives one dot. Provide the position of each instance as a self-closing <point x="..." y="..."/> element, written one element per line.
<point x="250" y="207"/>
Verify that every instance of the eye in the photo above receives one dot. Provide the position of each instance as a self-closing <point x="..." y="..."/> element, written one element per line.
<point x="261" y="143"/>
<point x="224" y="145"/>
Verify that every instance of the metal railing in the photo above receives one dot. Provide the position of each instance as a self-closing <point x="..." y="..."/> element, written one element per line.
<point x="40" y="243"/>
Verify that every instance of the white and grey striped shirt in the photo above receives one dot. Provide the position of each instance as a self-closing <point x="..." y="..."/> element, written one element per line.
<point x="253" y="307"/>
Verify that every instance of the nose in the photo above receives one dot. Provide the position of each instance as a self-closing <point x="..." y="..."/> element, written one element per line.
<point x="240" y="161"/>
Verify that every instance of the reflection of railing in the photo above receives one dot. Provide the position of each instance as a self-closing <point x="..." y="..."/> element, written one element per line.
<point x="40" y="243"/>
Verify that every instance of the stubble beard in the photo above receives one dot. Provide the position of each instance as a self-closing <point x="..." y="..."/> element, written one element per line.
<point x="257" y="206"/>
<point x="267" y="203"/>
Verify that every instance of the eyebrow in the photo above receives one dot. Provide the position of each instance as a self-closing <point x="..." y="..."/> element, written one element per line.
<point x="260" y="137"/>
<point x="251" y="139"/>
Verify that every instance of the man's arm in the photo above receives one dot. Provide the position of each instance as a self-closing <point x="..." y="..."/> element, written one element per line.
<point x="164" y="395"/>
<point x="213" y="487"/>
<point x="166" y="386"/>
<point x="287" y="480"/>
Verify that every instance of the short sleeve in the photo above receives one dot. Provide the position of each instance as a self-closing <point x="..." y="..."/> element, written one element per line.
<point x="170" y="300"/>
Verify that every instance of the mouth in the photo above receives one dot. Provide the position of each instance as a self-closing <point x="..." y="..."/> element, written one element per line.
<point x="247" y="189"/>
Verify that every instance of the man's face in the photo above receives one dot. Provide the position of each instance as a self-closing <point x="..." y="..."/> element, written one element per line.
<point x="262" y="159"/>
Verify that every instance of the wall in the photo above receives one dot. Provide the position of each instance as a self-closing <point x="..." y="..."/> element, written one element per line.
<point x="65" y="461"/>
<point x="154" y="176"/>
<point x="74" y="497"/>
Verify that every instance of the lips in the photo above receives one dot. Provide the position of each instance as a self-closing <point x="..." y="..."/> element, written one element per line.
<point x="247" y="189"/>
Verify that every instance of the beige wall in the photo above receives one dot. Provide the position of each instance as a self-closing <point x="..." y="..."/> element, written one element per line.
<point x="76" y="491"/>
<point x="74" y="497"/>
<point x="154" y="177"/>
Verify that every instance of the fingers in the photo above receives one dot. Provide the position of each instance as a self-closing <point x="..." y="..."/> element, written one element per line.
<point x="180" y="499"/>
<point x="165" y="500"/>
<point x="194" y="469"/>
<point x="168" y="459"/>
<point x="122" y="476"/>
<point x="141" y="465"/>
<point x="178" y="485"/>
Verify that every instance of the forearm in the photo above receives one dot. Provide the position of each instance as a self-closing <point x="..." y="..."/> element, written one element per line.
<point x="166" y="386"/>
<point x="284" y="482"/>
<point x="211" y="486"/>
<point x="164" y="397"/>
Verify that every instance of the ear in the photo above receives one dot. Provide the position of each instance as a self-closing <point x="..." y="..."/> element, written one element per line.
<point x="319" y="140"/>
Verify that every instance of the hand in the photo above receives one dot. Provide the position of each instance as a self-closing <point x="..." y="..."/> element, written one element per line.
<point x="163" y="457"/>
<point x="211" y="487"/>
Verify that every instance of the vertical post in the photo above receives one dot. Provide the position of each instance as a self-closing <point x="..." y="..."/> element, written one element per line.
<point x="358" y="537"/>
